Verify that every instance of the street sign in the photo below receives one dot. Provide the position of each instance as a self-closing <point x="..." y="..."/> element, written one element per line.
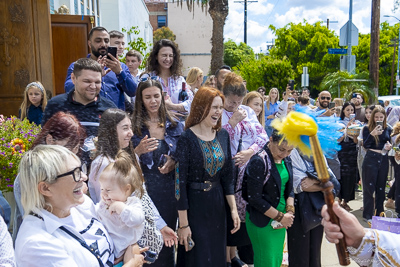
<point x="343" y="35"/>
<point x="337" y="51"/>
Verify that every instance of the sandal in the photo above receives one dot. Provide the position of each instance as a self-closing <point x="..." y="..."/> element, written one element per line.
<point x="236" y="262"/>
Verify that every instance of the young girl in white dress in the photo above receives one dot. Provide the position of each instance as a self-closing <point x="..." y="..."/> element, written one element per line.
<point x="120" y="209"/>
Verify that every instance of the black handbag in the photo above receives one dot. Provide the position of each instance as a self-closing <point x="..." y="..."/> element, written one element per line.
<point x="310" y="204"/>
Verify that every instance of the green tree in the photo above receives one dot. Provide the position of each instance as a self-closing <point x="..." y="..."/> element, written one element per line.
<point x="385" y="55"/>
<point x="306" y="45"/>
<point x="235" y="54"/>
<point x="137" y="43"/>
<point x="163" y="33"/>
<point x="267" y="72"/>
<point x="332" y="81"/>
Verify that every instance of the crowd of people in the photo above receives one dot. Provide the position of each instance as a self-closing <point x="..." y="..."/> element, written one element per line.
<point x="139" y="167"/>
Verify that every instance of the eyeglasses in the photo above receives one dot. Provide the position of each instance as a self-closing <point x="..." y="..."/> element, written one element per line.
<point x="76" y="173"/>
<point x="149" y="78"/>
<point x="325" y="97"/>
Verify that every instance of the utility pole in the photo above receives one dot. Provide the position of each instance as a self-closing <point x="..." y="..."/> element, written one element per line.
<point x="245" y="17"/>
<point x="394" y="45"/>
<point x="328" y="21"/>
<point x="374" y="47"/>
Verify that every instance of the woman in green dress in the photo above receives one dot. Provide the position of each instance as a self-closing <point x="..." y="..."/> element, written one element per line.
<point x="270" y="195"/>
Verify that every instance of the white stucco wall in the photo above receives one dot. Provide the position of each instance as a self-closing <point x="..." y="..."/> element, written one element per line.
<point x="193" y="35"/>
<point x="118" y="14"/>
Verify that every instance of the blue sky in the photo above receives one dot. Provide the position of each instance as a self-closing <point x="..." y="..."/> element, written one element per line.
<point x="280" y="12"/>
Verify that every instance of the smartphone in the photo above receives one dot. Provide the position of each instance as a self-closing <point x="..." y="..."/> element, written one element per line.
<point x="163" y="160"/>
<point x="379" y="123"/>
<point x="149" y="256"/>
<point x="112" y="50"/>
<point x="291" y="84"/>
<point x="354" y="95"/>
<point x="331" y="105"/>
<point x="352" y="116"/>
<point x="190" y="243"/>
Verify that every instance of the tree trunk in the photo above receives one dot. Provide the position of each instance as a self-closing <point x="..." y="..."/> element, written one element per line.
<point x="392" y="76"/>
<point x="218" y="10"/>
<point x="374" y="53"/>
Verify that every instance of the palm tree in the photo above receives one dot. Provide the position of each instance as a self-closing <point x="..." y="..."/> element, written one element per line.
<point x="347" y="84"/>
<point x="218" y="10"/>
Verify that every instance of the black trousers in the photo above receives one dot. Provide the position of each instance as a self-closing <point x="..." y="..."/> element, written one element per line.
<point x="375" y="170"/>
<point x="304" y="248"/>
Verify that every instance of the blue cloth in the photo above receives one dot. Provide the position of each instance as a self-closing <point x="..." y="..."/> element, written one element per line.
<point x="119" y="264"/>
<point x="33" y="114"/>
<point x="273" y="108"/>
<point x="5" y="209"/>
<point x="113" y="85"/>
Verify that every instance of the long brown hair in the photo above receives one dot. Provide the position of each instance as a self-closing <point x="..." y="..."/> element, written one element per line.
<point x="140" y="115"/>
<point x="152" y="61"/>
<point x="201" y="106"/>
<point x="372" y="123"/>
<point x="248" y="98"/>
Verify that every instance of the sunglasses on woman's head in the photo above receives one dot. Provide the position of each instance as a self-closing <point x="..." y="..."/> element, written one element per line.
<point x="148" y="78"/>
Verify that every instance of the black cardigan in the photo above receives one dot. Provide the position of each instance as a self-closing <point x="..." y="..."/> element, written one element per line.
<point x="262" y="196"/>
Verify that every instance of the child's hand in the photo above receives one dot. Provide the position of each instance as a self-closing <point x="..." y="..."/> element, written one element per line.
<point x="117" y="207"/>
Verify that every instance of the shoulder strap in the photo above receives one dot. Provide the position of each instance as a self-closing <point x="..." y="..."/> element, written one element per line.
<point x="83" y="244"/>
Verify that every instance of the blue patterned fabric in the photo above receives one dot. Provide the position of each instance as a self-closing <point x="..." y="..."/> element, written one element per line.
<point x="213" y="155"/>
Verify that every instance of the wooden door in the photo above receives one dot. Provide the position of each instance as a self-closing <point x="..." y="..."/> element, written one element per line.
<point x="25" y="50"/>
<point x="70" y="35"/>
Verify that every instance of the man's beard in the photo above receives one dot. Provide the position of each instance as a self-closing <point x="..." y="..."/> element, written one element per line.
<point x="96" y="53"/>
<point x="324" y="105"/>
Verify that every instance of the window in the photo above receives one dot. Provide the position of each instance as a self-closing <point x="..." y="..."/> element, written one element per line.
<point x="161" y="21"/>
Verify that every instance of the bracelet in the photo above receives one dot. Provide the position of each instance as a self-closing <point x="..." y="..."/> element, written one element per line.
<point x="279" y="217"/>
<point x="183" y="227"/>
<point x="289" y="208"/>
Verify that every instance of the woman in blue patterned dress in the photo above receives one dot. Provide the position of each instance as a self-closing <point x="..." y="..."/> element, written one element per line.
<point x="204" y="177"/>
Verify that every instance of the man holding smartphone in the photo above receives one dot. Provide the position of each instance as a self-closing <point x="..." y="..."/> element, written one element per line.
<point x="116" y="78"/>
<point x="357" y="99"/>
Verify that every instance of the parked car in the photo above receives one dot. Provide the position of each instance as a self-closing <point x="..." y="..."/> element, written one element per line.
<point x="394" y="100"/>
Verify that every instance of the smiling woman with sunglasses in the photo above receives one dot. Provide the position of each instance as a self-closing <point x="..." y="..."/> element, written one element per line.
<point x="60" y="227"/>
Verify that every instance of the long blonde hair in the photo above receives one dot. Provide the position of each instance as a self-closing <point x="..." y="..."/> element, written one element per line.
<point x="26" y="103"/>
<point x="268" y="101"/>
<point x="248" y="98"/>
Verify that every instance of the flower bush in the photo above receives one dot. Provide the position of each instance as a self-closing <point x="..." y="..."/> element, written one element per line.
<point x="16" y="137"/>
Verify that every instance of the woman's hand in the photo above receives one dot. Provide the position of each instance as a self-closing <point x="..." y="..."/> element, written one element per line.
<point x="236" y="221"/>
<point x="243" y="156"/>
<point x="183" y="235"/>
<point x="168" y="166"/>
<point x="377" y="131"/>
<point x="388" y="146"/>
<point x="237" y="116"/>
<point x="169" y="236"/>
<point x="146" y="145"/>
<point x="287" y="220"/>
<point x="270" y="117"/>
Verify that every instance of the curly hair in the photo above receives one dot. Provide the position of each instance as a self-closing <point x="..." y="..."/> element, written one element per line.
<point x="152" y="61"/>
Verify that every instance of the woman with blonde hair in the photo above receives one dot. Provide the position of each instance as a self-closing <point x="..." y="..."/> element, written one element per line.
<point x="256" y="102"/>
<point x="195" y="79"/>
<point x="271" y="108"/>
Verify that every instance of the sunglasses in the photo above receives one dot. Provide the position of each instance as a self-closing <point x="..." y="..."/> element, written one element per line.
<point x="148" y="78"/>
<point x="325" y="97"/>
<point x="76" y="173"/>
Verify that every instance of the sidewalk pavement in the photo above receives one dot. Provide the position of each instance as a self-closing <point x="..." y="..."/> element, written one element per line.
<point x="329" y="256"/>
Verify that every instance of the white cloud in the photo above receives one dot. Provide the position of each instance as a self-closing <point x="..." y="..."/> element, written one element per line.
<point x="264" y="13"/>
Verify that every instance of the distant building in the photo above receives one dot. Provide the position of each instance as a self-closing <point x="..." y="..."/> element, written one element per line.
<point x="158" y="13"/>
<point x="118" y="14"/>
<point x="194" y="38"/>
<point x="76" y="7"/>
